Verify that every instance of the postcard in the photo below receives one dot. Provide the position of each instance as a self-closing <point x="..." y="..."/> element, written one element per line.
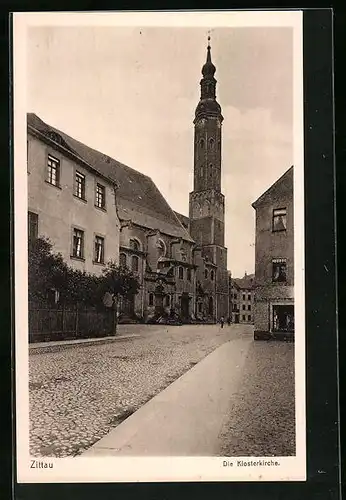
<point x="159" y="246"/>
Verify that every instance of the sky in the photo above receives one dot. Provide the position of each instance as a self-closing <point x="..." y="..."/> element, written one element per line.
<point x="131" y="93"/>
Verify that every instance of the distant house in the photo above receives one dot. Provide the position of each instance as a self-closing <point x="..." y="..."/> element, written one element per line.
<point x="274" y="260"/>
<point x="242" y="299"/>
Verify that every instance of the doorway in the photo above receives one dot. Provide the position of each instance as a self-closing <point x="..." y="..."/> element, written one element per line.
<point x="184" y="306"/>
<point x="210" y="307"/>
<point x="236" y="318"/>
<point x="283" y="318"/>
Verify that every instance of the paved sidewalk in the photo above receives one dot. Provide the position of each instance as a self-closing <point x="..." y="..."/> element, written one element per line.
<point x="186" y="418"/>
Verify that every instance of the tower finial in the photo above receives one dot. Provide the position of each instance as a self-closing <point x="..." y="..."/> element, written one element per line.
<point x="208" y="69"/>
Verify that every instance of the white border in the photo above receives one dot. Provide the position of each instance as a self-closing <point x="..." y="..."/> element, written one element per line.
<point x="126" y="469"/>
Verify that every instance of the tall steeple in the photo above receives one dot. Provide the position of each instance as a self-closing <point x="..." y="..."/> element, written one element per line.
<point x="207" y="203"/>
<point x="208" y="103"/>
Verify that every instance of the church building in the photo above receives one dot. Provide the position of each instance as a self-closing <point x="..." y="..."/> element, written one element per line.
<point x="180" y="261"/>
<point x="207" y="203"/>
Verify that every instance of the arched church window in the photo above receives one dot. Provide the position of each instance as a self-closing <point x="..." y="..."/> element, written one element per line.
<point x="162" y="248"/>
<point x="181" y="273"/>
<point x="134" y="244"/>
<point x="201" y="142"/>
<point x="122" y="260"/>
<point x="211" y="143"/>
<point x="210" y="170"/>
<point x="134" y="263"/>
<point x="207" y="207"/>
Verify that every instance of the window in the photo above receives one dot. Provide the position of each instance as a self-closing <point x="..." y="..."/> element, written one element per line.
<point x="99" y="249"/>
<point x="249" y="318"/>
<point x="100" y="201"/>
<point x="235" y="296"/>
<point x="200" y="307"/>
<point x="188" y="274"/>
<point x="162" y="248"/>
<point x="279" y="270"/>
<point x="211" y="143"/>
<point x="134" y="245"/>
<point x="32" y="226"/>
<point x="134" y="263"/>
<point x="53" y="171"/>
<point x="279" y="219"/>
<point x="249" y="296"/>
<point x="249" y="307"/>
<point x="243" y="296"/>
<point x="206" y="274"/>
<point x="212" y="275"/>
<point x="210" y="170"/>
<point x="78" y="243"/>
<point x="181" y="273"/>
<point x="80" y="186"/>
<point x="201" y="170"/>
<point x="201" y="142"/>
<point x="151" y="299"/>
<point x="244" y="317"/>
<point x="243" y="307"/>
<point x="122" y="260"/>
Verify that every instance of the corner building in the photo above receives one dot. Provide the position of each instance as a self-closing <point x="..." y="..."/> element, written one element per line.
<point x="274" y="260"/>
<point x="207" y="203"/>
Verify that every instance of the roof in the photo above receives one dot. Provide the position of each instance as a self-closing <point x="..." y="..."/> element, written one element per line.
<point x="287" y="176"/>
<point x="138" y="198"/>
<point x="246" y="282"/>
<point x="185" y="221"/>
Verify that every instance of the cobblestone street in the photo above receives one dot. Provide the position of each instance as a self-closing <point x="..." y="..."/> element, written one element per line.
<point x="78" y="393"/>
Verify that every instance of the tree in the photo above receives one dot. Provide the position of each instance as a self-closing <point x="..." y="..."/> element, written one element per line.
<point x="81" y="288"/>
<point x="46" y="270"/>
<point x="119" y="281"/>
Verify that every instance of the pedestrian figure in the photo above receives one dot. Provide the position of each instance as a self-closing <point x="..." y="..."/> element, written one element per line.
<point x="229" y="321"/>
<point x="222" y="321"/>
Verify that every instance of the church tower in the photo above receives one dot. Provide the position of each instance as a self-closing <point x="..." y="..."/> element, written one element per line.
<point x="207" y="203"/>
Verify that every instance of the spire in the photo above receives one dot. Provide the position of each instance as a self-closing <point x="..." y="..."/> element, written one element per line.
<point x="208" y="69"/>
<point x="208" y="104"/>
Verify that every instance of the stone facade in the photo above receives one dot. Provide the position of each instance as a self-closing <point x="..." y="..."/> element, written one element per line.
<point x="274" y="261"/>
<point x="56" y="210"/>
<point x="207" y="203"/>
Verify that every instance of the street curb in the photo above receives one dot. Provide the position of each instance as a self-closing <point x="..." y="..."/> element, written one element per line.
<point x="63" y="343"/>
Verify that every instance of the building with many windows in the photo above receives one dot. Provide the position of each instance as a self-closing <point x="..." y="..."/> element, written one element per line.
<point x="274" y="260"/>
<point x="69" y="201"/>
<point x="94" y="208"/>
<point x="241" y="299"/>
